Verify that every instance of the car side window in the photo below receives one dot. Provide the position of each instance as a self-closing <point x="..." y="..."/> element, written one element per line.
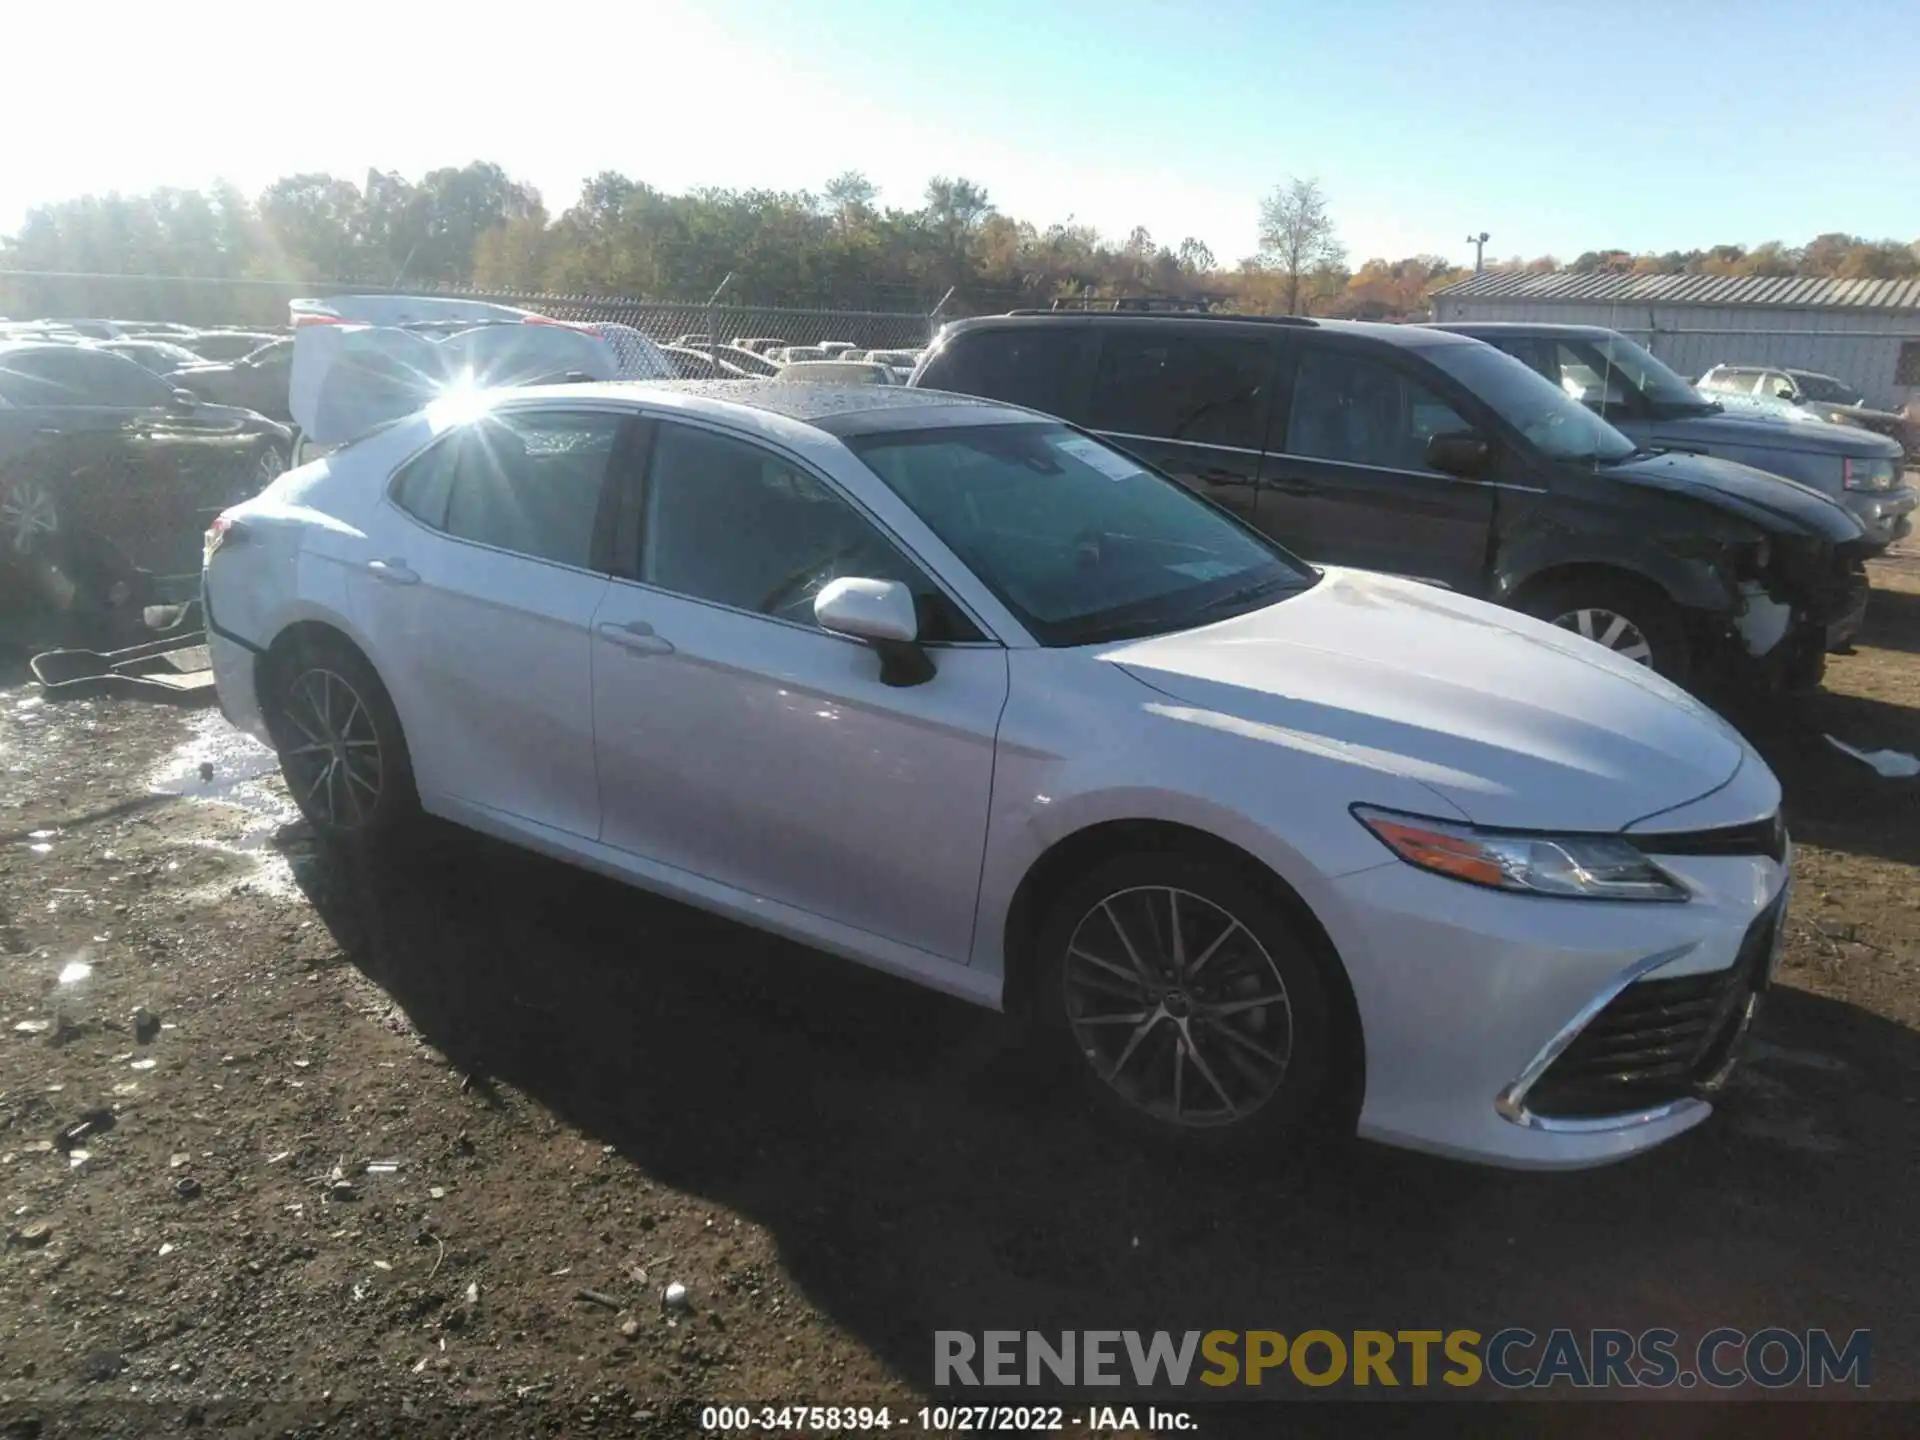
<point x="423" y="484"/>
<point x="72" y="376"/>
<point x="1209" y="390"/>
<point x="733" y="524"/>
<point x="1352" y="407"/>
<point x="1030" y="365"/>
<point x="525" y="481"/>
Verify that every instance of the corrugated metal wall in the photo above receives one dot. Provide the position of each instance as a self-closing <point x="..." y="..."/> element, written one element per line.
<point x="1861" y="348"/>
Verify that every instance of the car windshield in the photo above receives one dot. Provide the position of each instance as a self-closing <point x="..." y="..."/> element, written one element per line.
<point x="1827" y="390"/>
<point x="1597" y="369"/>
<point x="1550" y="419"/>
<point x="1083" y="543"/>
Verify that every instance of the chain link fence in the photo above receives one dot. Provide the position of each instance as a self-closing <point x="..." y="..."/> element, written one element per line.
<point x="262" y="304"/>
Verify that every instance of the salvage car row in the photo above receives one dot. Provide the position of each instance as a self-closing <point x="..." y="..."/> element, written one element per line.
<point x="1013" y="682"/>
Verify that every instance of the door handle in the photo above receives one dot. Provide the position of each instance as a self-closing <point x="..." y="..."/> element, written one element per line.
<point x="1294" y="487"/>
<point x="636" y="636"/>
<point x="394" y="572"/>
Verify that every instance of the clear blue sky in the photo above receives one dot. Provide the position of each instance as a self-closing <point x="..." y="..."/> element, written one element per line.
<point x="1558" y="127"/>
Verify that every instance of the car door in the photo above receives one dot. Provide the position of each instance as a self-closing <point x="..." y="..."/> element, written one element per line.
<point x="1195" y="405"/>
<point x="1345" y="480"/>
<point x="477" y="589"/>
<point x="741" y="744"/>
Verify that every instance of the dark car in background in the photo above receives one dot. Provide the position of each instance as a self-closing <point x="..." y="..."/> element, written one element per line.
<point x="256" y="381"/>
<point x="109" y="476"/>
<point x="162" y="357"/>
<point x="226" y="344"/>
<point x="1404" y="449"/>
<point x="1827" y="396"/>
<point x="1639" y="395"/>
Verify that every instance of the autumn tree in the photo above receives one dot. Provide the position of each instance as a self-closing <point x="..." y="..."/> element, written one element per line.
<point x="1297" y="236"/>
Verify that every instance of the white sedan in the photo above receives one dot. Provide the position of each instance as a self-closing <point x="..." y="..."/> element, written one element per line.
<point x="960" y="692"/>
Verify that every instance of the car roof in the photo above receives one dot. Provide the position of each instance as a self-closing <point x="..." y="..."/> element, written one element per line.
<point x="1406" y="337"/>
<point x="838" y="410"/>
<point x="29" y="347"/>
<point x="1525" y="327"/>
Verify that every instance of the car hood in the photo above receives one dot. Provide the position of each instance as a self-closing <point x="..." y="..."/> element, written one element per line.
<point x="1771" y="501"/>
<point x="1813" y="437"/>
<point x="1512" y="722"/>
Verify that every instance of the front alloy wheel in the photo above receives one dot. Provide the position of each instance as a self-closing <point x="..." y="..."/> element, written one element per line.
<point x="1604" y="627"/>
<point x="333" y="764"/>
<point x="1177" y="1006"/>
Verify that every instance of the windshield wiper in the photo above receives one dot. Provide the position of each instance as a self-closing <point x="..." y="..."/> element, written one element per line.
<point x="1247" y="593"/>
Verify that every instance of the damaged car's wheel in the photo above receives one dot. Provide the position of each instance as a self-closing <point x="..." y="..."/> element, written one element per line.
<point x="342" y="751"/>
<point x="1631" y="619"/>
<point x="29" y="515"/>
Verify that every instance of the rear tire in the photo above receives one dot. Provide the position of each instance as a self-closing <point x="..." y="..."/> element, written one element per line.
<point x="1625" y="615"/>
<point x="1224" y="1041"/>
<point x="342" y="751"/>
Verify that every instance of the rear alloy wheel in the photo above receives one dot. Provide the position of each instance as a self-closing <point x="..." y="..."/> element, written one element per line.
<point x="29" y="515"/>
<point x="1196" y="1009"/>
<point x="1633" y="620"/>
<point x="341" y="751"/>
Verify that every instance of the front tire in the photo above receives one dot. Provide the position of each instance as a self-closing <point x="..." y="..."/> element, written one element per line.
<point x="342" y="751"/>
<point x="1632" y="619"/>
<point x="1196" y="1008"/>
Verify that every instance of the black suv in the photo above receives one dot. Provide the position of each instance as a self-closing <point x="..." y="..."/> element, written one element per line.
<point x="1405" y="449"/>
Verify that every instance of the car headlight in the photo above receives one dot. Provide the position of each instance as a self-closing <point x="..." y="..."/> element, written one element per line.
<point x="1858" y="474"/>
<point x="1580" y="867"/>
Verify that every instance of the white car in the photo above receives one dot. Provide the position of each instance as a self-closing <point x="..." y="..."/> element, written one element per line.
<point x="360" y="361"/>
<point x="960" y="692"/>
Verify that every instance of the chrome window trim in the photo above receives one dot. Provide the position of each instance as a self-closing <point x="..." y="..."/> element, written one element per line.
<point x="1169" y="440"/>
<point x="1414" y="474"/>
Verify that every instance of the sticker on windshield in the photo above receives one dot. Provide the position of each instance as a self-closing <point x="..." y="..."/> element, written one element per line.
<point x="1110" y="463"/>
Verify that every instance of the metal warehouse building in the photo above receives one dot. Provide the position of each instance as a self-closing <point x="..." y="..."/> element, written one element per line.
<point x="1866" y="332"/>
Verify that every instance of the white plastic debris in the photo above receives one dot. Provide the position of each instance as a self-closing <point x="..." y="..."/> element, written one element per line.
<point x="1893" y="764"/>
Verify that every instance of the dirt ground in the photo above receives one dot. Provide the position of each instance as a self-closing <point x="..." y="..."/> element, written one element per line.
<point x="432" y="1140"/>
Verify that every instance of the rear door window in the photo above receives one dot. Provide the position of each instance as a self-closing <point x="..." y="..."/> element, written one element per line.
<point x="525" y="481"/>
<point x="1202" y="389"/>
<point x="1037" y="366"/>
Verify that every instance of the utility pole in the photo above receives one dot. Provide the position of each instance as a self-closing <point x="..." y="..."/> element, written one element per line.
<point x="1479" y="244"/>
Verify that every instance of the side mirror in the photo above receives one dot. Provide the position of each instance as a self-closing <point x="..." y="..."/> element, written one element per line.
<point x="880" y="613"/>
<point x="1457" y="452"/>
<point x="182" y="400"/>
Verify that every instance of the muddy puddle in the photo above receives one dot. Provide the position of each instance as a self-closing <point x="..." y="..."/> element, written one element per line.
<point x="216" y="765"/>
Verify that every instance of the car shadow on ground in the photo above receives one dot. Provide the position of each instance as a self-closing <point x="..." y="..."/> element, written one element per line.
<point x="1893" y="620"/>
<point x="921" y="1167"/>
<point x="1834" y="799"/>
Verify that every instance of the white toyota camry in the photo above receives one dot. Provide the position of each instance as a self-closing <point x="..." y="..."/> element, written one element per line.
<point x="957" y="691"/>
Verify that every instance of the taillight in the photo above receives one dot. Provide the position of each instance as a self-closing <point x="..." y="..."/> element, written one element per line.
<point x="224" y="531"/>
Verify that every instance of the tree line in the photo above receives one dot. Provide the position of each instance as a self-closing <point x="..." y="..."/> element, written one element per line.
<point x="475" y="226"/>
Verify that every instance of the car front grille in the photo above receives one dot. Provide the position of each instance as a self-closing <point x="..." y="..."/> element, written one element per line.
<point x="1659" y="1040"/>
<point x="1766" y="837"/>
